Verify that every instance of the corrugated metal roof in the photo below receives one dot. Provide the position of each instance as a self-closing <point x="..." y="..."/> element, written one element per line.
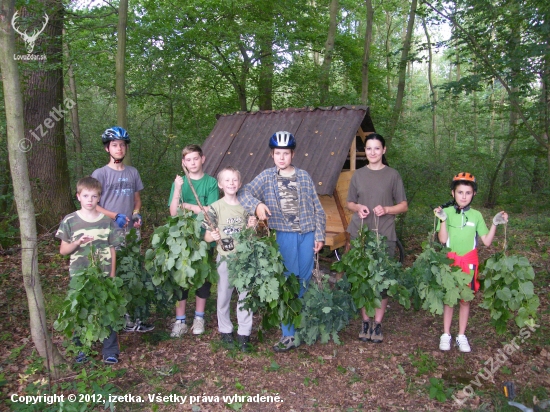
<point x="323" y="138"/>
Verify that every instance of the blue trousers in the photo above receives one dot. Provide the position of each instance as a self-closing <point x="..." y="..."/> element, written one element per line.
<point x="297" y="251"/>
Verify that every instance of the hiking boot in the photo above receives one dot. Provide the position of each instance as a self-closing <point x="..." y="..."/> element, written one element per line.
<point x="178" y="328"/>
<point x="445" y="342"/>
<point x="364" y="335"/>
<point x="376" y="333"/>
<point x="285" y="344"/>
<point x="226" y="338"/>
<point x="198" y="326"/>
<point x="138" y="326"/>
<point x="244" y="343"/>
<point x="81" y="358"/>
<point x="462" y="343"/>
<point x="110" y="359"/>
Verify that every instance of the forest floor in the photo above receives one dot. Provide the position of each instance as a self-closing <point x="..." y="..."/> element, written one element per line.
<point x="398" y="374"/>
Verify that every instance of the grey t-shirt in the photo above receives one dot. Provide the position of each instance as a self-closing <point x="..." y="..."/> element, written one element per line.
<point x="118" y="188"/>
<point x="372" y="188"/>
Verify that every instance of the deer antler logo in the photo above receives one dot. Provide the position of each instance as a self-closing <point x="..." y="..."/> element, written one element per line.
<point x="29" y="40"/>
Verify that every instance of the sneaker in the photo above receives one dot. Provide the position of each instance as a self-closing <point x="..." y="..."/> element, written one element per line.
<point x="81" y="358"/>
<point x="376" y="333"/>
<point x="226" y="338"/>
<point x="364" y="335"/>
<point x="445" y="342"/>
<point x="244" y="343"/>
<point x="198" y="326"/>
<point x="138" y="326"/>
<point x="178" y="328"/>
<point x="285" y="344"/>
<point x="110" y="360"/>
<point x="462" y="343"/>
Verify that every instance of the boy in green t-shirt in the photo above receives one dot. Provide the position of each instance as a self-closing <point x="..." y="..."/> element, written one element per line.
<point x="458" y="228"/>
<point x="182" y="196"/>
<point x="79" y="232"/>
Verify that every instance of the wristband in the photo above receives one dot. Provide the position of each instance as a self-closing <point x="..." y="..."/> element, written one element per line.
<point x="136" y="211"/>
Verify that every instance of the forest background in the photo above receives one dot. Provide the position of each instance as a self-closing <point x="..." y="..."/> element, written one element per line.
<point x="453" y="86"/>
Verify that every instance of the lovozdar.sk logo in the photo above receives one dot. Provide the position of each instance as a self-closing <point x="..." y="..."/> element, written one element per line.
<point x="30" y="39"/>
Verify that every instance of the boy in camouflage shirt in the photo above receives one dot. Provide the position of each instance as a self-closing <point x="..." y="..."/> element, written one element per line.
<point x="83" y="230"/>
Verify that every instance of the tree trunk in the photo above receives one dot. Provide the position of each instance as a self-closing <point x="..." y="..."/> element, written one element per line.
<point x="267" y="66"/>
<point x="329" y="50"/>
<point x="402" y="74"/>
<point x="120" y="67"/>
<point x="22" y="192"/>
<point x="44" y="113"/>
<point x="75" y="122"/>
<point x="366" y="54"/>
<point x="493" y="195"/>
<point x="388" y="52"/>
<point x="433" y="95"/>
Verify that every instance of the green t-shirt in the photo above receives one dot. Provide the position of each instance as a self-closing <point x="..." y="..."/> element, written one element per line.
<point x="105" y="234"/>
<point x="206" y="188"/>
<point x="463" y="228"/>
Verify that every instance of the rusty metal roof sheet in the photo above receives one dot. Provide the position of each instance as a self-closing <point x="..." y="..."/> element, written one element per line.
<point x="323" y="138"/>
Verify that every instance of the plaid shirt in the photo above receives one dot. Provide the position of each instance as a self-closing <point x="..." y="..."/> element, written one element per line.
<point x="264" y="189"/>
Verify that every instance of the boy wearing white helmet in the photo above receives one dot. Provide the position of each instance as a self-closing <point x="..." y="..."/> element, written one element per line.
<point x="285" y="196"/>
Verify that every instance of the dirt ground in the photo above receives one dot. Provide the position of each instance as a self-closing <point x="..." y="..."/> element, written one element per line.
<point x="394" y="375"/>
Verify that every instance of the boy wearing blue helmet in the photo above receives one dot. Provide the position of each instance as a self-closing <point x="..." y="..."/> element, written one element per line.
<point x="286" y="197"/>
<point x="120" y="200"/>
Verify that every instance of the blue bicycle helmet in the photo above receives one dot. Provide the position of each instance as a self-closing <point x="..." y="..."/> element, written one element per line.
<point x="282" y="140"/>
<point x="115" y="133"/>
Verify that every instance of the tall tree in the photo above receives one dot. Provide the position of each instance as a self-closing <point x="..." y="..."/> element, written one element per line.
<point x="433" y="92"/>
<point x="329" y="51"/>
<point x="121" y="104"/>
<point x="402" y="73"/>
<point x="23" y="192"/>
<point x="44" y="119"/>
<point x="366" y="53"/>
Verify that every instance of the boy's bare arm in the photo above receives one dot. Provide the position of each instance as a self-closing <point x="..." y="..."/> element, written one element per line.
<point x="67" y="248"/>
<point x="212" y="236"/>
<point x="113" y="262"/>
<point x="111" y="215"/>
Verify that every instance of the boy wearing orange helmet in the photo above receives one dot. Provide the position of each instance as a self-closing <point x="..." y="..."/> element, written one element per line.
<point x="458" y="228"/>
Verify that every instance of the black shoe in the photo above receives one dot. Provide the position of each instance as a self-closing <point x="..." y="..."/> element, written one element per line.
<point x="244" y="343"/>
<point x="365" y="334"/>
<point x="227" y="338"/>
<point x="376" y="333"/>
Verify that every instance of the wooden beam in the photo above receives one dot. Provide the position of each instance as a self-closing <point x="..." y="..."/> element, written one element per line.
<point x="353" y="155"/>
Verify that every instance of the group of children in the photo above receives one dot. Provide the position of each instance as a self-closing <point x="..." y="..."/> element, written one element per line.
<point x="285" y="196"/>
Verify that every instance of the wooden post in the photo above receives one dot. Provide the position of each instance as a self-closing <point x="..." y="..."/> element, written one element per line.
<point x="353" y="155"/>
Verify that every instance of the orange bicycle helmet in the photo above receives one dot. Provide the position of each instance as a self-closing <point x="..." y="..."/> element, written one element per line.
<point x="464" y="177"/>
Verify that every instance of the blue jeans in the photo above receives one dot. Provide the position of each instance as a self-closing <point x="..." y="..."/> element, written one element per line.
<point x="297" y="251"/>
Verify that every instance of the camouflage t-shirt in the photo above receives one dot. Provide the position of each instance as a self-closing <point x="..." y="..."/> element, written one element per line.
<point x="103" y="229"/>
<point x="288" y="193"/>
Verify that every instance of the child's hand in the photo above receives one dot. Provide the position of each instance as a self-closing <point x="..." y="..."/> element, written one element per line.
<point x="500" y="218"/>
<point x="263" y="211"/>
<point x="216" y="234"/>
<point x="362" y="211"/>
<point x="85" y="239"/>
<point x="178" y="181"/>
<point x="121" y="220"/>
<point x="440" y="213"/>
<point x="252" y="221"/>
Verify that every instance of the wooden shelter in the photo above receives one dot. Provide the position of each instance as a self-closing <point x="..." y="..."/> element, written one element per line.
<point x="327" y="148"/>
